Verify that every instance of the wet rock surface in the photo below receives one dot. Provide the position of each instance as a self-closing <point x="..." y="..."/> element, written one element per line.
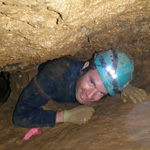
<point x="115" y="125"/>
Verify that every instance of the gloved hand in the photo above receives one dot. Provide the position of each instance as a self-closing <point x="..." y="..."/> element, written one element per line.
<point x="78" y="115"/>
<point x="133" y="93"/>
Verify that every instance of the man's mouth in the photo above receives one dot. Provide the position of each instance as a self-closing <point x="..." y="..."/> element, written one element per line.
<point x="83" y="97"/>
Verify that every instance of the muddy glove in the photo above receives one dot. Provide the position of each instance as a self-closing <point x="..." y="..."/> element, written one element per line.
<point x="133" y="93"/>
<point x="78" y="115"/>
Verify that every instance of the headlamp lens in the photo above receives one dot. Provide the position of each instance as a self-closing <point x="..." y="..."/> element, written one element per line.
<point x="111" y="72"/>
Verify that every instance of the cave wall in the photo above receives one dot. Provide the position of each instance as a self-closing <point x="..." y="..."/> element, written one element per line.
<point x="34" y="31"/>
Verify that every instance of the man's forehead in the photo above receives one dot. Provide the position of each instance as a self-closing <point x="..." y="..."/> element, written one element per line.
<point x="94" y="75"/>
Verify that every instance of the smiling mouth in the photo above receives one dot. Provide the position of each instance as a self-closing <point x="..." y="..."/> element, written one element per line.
<point x="83" y="97"/>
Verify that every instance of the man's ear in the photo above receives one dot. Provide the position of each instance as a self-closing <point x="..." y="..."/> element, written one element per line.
<point x="85" y="65"/>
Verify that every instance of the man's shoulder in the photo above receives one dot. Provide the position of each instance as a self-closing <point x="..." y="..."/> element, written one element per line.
<point x="60" y="65"/>
<point x="63" y="62"/>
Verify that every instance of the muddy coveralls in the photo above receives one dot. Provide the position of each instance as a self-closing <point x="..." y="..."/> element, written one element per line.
<point x="56" y="80"/>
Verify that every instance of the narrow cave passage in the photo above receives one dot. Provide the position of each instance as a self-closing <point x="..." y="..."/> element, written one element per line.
<point x="115" y="125"/>
<point x="33" y="32"/>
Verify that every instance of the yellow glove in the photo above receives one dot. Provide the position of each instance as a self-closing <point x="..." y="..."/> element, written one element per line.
<point x="78" y="115"/>
<point x="133" y="93"/>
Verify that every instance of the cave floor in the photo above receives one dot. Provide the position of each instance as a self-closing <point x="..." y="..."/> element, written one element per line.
<point x="115" y="125"/>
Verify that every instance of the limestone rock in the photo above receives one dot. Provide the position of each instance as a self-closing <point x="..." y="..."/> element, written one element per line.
<point x="34" y="31"/>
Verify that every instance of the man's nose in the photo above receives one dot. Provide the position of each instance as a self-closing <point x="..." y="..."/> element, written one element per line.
<point x="91" y="93"/>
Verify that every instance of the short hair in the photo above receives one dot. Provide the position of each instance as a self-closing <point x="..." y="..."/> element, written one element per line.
<point x="92" y="66"/>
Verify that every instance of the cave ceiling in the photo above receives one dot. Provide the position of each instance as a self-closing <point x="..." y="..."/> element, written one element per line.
<point x="34" y="31"/>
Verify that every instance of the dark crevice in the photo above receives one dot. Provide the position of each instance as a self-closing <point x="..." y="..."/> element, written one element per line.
<point x="3" y="3"/>
<point x="4" y="87"/>
<point x="59" y="18"/>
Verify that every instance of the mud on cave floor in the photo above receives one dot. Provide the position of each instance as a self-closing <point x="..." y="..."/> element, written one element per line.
<point x="115" y="125"/>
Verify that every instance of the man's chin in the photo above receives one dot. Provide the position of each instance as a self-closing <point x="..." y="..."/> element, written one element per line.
<point x="79" y="100"/>
<point x="84" y="102"/>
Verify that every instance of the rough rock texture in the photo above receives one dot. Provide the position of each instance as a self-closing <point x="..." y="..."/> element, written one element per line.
<point x="34" y="31"/>
<point x="114" y="126"/>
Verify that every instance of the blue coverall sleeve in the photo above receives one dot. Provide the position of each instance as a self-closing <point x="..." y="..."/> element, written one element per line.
<point x="28" y="112"/>
<point x="55" y="80"/>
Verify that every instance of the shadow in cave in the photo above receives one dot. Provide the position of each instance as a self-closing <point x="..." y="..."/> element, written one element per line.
<point x="4" y="87"/>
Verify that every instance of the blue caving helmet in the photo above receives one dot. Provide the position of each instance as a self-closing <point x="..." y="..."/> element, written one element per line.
<point x="115" y="69"/>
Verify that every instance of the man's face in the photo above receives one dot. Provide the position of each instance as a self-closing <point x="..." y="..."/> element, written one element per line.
<point x="89" y="87"/>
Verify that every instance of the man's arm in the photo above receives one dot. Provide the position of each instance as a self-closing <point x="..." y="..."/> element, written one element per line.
<point x="28" y="112"/>
<point x="59" y="117"/>
<point x="78" y="115"/>
<point x="27" y="118"/>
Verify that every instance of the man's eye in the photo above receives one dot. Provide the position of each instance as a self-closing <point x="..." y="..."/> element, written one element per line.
<point x="100" y="93"/>
<point x="91" y="82"/>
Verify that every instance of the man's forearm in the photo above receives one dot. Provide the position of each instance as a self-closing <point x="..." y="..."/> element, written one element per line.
<point x="60" y="117"/>
<point x="31" y="118"/>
